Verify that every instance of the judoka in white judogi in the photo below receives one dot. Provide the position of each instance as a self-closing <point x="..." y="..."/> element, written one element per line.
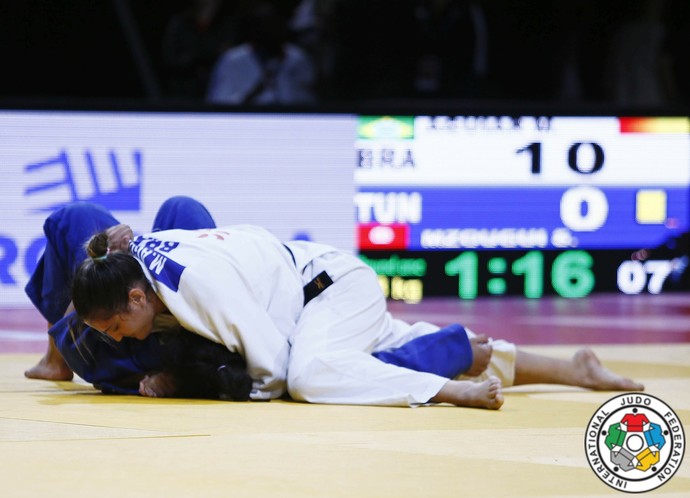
<point x="240" y="286"/>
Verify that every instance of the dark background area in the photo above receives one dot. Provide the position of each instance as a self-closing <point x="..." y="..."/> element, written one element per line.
<point x="112" y="50"/>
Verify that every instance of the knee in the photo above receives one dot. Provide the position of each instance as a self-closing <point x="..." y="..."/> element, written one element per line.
<point x="303" y="382"/>
<point x="297" y="385"/>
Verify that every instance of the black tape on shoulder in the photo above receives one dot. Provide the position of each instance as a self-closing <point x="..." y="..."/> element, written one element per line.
<point x="319" y="284"/>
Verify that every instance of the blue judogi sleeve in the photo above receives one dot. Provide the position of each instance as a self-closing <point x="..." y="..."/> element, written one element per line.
<point x="114" y="367"/>
<point x="447" y="353"/>
<point x="67" y="230"/>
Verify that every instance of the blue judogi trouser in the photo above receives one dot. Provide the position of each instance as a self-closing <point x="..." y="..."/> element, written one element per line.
<point x="115" y="366"/>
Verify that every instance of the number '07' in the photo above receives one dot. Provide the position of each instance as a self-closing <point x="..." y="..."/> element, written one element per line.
<point x="575" y="157"/>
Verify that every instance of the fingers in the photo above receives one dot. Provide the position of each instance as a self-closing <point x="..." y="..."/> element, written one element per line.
<point x="145" y="388"/>
<point x="119" y="237"/>
<point x="158" y="385"/>
<point x="485" y="347"/>
<point x="480" y="339"/>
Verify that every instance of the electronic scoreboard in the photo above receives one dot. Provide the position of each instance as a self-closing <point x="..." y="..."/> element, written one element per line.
<point x="528" y="205"/>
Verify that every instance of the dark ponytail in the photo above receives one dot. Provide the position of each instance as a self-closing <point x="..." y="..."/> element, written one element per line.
<point x="101" y="285"/>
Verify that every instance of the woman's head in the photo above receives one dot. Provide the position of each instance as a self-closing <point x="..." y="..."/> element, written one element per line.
<point x="111" y="293"/>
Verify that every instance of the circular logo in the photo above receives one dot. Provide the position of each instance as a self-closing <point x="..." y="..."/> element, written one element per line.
<point x="634" y="442"/>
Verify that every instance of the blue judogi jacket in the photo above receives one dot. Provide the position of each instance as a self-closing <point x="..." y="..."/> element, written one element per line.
<point x="112" y="367"/>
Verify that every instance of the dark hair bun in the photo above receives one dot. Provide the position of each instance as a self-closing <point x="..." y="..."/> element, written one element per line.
<point x="97" y="247"/>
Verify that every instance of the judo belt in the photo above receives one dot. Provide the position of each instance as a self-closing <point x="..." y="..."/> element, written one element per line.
<point x="317" y="285"/>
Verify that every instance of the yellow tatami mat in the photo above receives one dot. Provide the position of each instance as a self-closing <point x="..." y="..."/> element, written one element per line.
<point x="65" y="439"/>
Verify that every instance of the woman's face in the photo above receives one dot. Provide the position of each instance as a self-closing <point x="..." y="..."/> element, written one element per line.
<point x="136" y="322"/>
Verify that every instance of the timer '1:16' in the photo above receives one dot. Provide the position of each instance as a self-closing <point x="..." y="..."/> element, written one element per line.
<point x="571" y="274"/>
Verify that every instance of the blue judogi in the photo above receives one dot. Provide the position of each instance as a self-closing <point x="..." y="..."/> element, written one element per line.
<point x="446" y="353"/>
<point x="110" y="366"/>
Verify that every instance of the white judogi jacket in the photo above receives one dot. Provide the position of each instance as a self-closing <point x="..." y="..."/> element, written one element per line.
<point x="236" y="285"/>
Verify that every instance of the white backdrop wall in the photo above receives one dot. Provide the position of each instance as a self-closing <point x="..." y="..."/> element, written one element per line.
<point x="291" y="173"/>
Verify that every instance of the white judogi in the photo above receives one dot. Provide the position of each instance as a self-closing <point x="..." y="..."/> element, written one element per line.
<point x="240" y="72"/>
<point x="239" y="286"/>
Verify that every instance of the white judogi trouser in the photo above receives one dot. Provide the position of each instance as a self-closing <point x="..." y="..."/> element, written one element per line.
<point x="330" y="355"/>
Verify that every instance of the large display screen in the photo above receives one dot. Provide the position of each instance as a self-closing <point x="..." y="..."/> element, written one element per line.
<point x="460" y="206"/>
<point x="527" y="205"/>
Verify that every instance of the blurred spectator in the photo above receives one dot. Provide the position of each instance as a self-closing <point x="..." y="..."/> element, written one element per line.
<point x="523" y="49"/>
<point x="311" y="29"/>
<point x="677" y="44"/>
<point x="266" y="69"/>
<point x="580" y="29"/>
<point x="375" y="49"/>
<point x="573" y="22"/>
<point x="639" y="69"/>
<point x="193" y="41"/>
<point x="452" y="48"/>
<point x="631" y="53"/>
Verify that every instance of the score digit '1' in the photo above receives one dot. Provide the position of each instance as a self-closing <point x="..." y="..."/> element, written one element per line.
<point x="574" y="158"/>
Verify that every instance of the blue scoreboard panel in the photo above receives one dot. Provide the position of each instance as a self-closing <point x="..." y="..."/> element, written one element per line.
<point x="526" y="205"/>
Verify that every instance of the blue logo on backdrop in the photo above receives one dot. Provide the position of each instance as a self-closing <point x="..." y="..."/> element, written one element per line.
<point x="106" y="181"/>
<point x="112" y="179"/>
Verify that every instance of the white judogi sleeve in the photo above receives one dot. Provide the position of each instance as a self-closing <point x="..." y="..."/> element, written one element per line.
<point x="235" y="285"/>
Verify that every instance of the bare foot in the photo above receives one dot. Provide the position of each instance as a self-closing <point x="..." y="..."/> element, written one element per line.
<point x="158" y="385"/>
<point x="51" y="367"/>
<point x="595" y="376"/>
<point x="485" y="394"/>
